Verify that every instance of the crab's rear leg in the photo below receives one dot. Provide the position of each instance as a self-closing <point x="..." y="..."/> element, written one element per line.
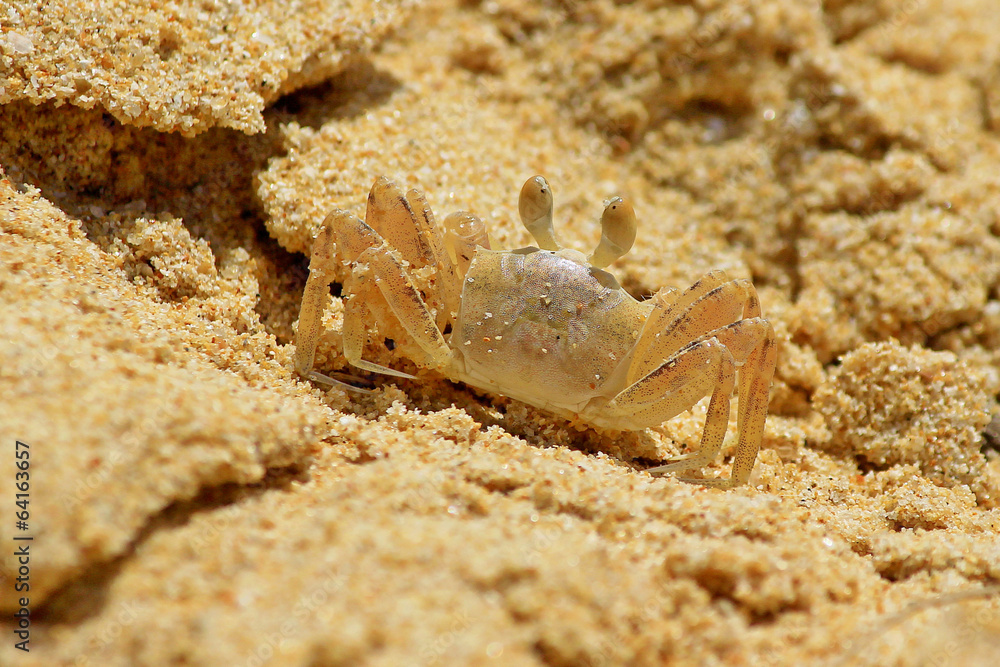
<point x="704" y="367"/>
<point x="677" y="319"/>
<point x="379" y="274"/>
<point x="755" y="391"/>
<point x="751" y="344"/>
<point x="700" y="313"/>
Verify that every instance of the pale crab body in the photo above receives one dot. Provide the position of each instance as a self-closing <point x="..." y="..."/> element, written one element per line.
<point x="566" y="329"/>
<point x="544" y="325"/>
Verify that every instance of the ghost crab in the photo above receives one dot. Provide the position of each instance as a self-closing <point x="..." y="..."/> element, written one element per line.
<point x="547" y="326"/>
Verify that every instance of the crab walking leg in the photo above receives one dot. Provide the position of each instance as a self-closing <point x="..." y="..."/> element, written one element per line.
<point x="714" y="308"/>
<point x="742" y="338"/>
<point x="374" y="263"/>
<point x="407" y="224"/>
<point x="755" y="385"/>
<point x="700" y="369"/>
<point x="314" y="299"/>
<point x="755" y="377"/>
<point x="717" y="308"/>
<point x="751" y="343"/>
<point x="668" y="309"/>
<point x="716" y="425"/>
<point x="354" y="331"/>
<point x="746" y="343"/>
<point x="386" y="272"/>
<point x="393" y="218"/>
<point x="449" y="284"/>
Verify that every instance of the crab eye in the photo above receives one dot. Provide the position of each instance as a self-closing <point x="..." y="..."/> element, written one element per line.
<point x="535" y="208"/>
<point x="618" y="226"/>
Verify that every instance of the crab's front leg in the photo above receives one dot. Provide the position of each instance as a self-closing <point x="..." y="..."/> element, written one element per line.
<point x="378" y="273"/>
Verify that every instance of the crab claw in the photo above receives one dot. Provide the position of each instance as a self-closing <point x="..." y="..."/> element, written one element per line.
<point x="464" y="233"/>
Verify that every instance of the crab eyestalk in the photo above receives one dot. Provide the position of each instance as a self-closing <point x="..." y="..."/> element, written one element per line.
<point x="535" y="207"/>
<point x="617" y="233"/>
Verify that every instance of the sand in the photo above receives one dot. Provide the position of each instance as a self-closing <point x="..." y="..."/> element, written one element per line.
<point x="192" y="501"/>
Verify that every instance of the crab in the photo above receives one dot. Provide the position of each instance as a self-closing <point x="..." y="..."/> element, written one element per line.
<point x="545" y="325"/>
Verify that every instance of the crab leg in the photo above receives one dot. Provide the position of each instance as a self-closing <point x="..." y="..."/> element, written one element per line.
<point x="701" y="312"/>
<point x="389" y="276"/>
<point x="704" y="367"/>
<point x="752" y="340"/>
<point x="314" y="299"/>
<point x="674" y="386"/>
<point x="374" y="263"/>
<point x="354" y="331"/>
<point x="720" y="306"/>
<point x="394" y="219"/>
<point x="755" y="385"/>
<point x="669" y="309"/>
<point x="407" y="224"/>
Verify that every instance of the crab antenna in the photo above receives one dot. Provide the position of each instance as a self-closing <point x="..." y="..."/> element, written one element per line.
<point x="535" y="207"/>
<point x="617" y="232"/>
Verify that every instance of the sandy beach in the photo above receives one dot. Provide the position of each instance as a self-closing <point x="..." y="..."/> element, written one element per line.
<point x="164" y="169"/>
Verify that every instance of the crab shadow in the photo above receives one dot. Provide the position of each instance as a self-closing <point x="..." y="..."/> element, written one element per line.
<point x="635" y="449"/>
